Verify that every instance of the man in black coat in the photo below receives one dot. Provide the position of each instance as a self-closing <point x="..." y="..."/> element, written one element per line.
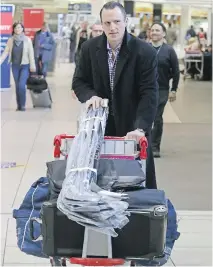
<point x="123" y="69"/>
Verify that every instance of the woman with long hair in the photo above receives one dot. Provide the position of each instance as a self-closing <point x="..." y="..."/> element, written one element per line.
<point x="19" y="48"/>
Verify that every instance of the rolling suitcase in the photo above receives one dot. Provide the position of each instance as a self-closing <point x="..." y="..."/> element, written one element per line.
<point x="61" y="236"/>
<point x="42" y="99"/>
<point x="144" y="235"/>
<point x="39" y="91"/>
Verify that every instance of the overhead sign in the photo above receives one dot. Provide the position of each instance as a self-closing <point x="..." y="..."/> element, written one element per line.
<point x="80" y="8"/>
<point x="33" y="19"/>
<point x="7" y="12"/>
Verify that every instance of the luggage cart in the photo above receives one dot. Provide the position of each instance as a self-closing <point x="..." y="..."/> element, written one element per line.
<point x="197" y="58"/>
<point x="112" y="147"/>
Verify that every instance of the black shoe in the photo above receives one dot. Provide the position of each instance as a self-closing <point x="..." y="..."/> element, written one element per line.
<point x="22" y="109"/>
<point x="18" y="109"/>
<point x="156" y="154"/>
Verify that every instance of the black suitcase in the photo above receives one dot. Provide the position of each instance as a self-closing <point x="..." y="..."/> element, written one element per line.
<point x="61" y="236"/>
<point x="143" y="236"/>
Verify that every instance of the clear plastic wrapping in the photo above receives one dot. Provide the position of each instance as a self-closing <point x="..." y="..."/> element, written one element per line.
<point x="80" y="199"/>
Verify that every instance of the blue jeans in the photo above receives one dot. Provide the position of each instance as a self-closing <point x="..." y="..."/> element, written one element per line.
<point x="20" y="75"/>
<point x="41" y="67"/>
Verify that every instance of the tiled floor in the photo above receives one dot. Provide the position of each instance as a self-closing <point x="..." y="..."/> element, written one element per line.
<point x="184" y="171"/>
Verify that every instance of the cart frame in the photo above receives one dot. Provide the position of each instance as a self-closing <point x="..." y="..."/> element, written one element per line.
<point x="113" y="147"/>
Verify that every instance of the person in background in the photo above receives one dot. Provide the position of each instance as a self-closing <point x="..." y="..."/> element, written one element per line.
<point x="20" y="50"/>
<point x="43" y="49"/>
<point x="168" y="68"/>
<point x="209" y="49"/>
<point x="142" y="34"/>
<point x="148" y="37"/>
<point x="73" y="39"/>
<point x="121" y="68"/>
<point x="132" y="29"/>
<point x="97" y="29"/>
<point x="190" y="33"/>
<point x="202" y="38"/>
<point x="171" y="35"/>
<point x="83" y="35"/>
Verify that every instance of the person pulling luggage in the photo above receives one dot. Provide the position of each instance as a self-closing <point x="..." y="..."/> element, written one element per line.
<point x="20" y="50"/>
<point x="121" y="68"/>
<point x="168" y="68"/>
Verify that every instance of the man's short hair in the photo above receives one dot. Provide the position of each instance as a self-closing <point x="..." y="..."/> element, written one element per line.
<point x="112" y="5"/>
<point x="160" y="24"/>
<point x="97" y="22"/>
<point x="45" y="24"/>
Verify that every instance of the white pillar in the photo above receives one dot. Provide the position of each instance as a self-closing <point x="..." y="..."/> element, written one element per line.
<point x="209" y="33"/>
<point x="185" y="23"/>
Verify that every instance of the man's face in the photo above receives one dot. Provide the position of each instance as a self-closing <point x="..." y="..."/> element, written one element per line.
<point x="44" y="28"/>
<point x="157" y="33"/>
<point x="145" y="26"/>
<point x="84" y="26"/>
<point x="114" y="24"/>
<point x="97" y="30"/>
<point x="209" y="49"/>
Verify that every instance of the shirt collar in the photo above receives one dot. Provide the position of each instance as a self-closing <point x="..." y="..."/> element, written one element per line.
<point x="116" y="49"/>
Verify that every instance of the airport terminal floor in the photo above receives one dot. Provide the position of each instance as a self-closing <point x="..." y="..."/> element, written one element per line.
<point x="183" y="171"/>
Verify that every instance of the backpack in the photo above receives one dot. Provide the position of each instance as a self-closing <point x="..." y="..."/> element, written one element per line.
<point x="30" y="208"/>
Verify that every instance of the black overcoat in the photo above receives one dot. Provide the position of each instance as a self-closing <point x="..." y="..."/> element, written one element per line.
<point x="135" y="94"/>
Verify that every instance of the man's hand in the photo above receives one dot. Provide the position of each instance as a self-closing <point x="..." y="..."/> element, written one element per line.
<point x="95" y="102"/>
<point x="172" y="96"/>
<point x="32" y="70"/>
<point x="136" y="135"/>
<point x="74" y="95"/>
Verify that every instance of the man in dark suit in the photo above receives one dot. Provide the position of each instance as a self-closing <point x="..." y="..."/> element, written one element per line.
<point x="122" y="68"/>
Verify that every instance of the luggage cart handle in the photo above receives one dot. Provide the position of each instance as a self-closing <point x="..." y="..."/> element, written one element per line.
<point x="143" y="143"/>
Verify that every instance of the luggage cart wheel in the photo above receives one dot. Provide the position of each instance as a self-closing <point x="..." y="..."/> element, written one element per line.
<point x="58" y="262"/>
<point x="63" y="262"/>
<point x="33" y="106"/>
<point x="133" y="263"/>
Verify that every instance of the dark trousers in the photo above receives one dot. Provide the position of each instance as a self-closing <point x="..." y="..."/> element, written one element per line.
<point x="72" y="56"/>
<point x="150" y="165"/>
<point x="41" y="67"/>
<point x="157" y="130"/>
<point x="20" y="75"/>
